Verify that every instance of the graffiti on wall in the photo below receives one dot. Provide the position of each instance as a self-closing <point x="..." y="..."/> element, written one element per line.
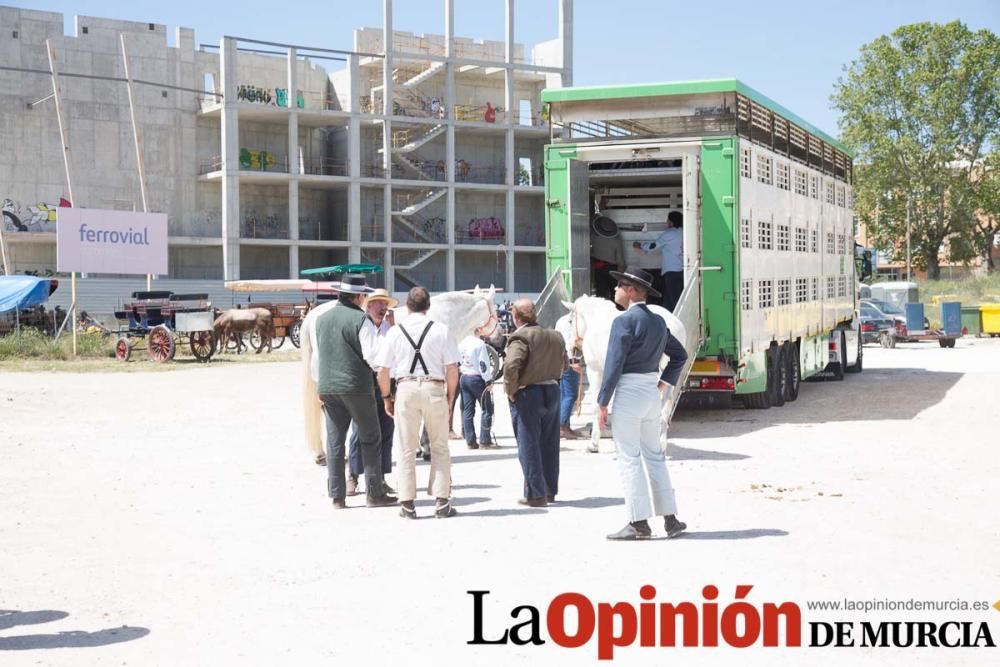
<point x="486" y="228"/>
<point x="40" y="217"/>
<point x="256" y="225"/>
<point x="274" y="97"/>
<point x="257" y="160"/>
<point x="434" y="229"/>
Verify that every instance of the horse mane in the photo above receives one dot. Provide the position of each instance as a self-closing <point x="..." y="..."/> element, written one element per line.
<point x="461" y="312"/>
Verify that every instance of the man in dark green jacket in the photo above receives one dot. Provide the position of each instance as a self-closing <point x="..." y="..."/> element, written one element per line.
<point x="345" y="387"/>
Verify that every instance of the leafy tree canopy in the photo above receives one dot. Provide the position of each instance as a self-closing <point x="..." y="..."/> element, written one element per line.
<point x="921" y="109"/>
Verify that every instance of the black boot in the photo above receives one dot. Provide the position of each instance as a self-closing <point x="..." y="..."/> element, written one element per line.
<point x="673" y="526"/>
<point x="443" y="509"/>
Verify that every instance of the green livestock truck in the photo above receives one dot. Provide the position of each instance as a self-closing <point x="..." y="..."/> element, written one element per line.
<point x="769" y="291"/>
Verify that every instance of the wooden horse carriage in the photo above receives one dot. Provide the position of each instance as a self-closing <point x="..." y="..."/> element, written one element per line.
<point x="162" y="321"/>
<point x="286" y="317"/>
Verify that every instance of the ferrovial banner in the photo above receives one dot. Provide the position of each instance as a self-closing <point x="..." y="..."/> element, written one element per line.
<point x="92" y="240"/>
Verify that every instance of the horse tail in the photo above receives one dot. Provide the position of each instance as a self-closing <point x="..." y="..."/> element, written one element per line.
<point x="311" y="410"/>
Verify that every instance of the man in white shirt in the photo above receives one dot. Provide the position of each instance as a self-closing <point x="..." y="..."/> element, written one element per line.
<point x="423" y="358"/>
<point x="476" y="385"/>
<point x="671" y="245"/>
<point x="378" y="320"/>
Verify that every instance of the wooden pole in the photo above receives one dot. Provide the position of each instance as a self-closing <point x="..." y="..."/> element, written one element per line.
<point x="137" y="140"/>
<point x="57" y="94"/>
<point x="3" y="251"/>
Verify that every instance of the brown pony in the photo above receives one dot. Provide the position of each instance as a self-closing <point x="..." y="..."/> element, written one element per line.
<point x="235" y="322"/>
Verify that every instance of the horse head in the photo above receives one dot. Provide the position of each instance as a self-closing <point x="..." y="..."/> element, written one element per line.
<point x="492" y="322"/>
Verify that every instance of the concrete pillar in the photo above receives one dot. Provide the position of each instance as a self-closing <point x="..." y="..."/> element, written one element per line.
<point x="387" y="45"/>
<point x="293" y="163"/>
<point x="387" y="65"/>
<point x="510" y="163"/>
<point x="566" y="40"/>
<point x="449" y="100"/>
<point x="390" y="273"/>
<point x="230" y="162"/>
<point x="354" y="164"/>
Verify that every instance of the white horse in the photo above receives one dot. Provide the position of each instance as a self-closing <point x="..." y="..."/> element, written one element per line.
<point x="464" y="313"/>
<point x="592" y="318"/>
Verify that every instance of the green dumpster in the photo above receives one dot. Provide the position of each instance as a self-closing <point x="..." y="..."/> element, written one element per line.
<point x="972" y="320"/>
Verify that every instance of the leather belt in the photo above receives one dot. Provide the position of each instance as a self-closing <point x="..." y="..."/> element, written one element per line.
<point x="418" y="378"/>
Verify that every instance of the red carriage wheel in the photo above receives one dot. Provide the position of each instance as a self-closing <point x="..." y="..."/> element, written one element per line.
<point x="161" y="344"/>
<point x="202" y="345"/>
<point x="123" y="349"/>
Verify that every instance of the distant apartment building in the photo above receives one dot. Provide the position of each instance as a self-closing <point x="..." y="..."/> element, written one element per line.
<point x="425" y="158"/>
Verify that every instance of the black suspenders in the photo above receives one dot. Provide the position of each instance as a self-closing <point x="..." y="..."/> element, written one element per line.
<point x="417" y="358"/>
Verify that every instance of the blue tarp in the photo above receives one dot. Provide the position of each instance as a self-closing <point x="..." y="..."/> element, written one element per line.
<point x="22" y="292"/>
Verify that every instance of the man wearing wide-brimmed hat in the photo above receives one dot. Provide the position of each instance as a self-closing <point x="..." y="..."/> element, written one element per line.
<point x="378" y="319"/>
<point x="639" y="338"/>
<point x="346" y="386"/>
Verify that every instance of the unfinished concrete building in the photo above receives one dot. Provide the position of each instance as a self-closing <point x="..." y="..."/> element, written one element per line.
<point x="425" y="158"/>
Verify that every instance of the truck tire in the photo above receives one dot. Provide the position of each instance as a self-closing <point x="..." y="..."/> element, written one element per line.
<point x="794" y="380"/>
<point x="859" y="364"/>
<point x="761" y="400"/>
<point x="779" y="378"/>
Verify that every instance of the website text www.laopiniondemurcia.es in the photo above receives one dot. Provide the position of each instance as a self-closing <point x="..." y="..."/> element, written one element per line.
<point x="572" y="621"/>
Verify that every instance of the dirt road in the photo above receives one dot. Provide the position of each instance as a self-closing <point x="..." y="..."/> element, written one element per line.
<point x="177" y="519"/>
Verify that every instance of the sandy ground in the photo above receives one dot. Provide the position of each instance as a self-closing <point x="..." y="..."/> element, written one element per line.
<point x="177" y="519"/>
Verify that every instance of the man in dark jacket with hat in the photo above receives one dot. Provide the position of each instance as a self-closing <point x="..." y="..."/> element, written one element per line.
<point x="346" y="387"/>
<point x="639" y="338"/>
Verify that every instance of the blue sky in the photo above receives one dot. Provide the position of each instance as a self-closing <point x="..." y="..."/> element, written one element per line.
<point x="792" y="52"/>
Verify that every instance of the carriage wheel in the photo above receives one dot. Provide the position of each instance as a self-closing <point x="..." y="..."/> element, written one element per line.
<point x="293" y="333"/>
<point x="277" y="342"/>
<point x="257" y="341"/>
<point x="123" y="349"/>
<point x="161" y="344"/>
<point x="202" y="345"/>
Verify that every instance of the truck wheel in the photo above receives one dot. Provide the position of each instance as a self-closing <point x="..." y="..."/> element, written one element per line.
<point x="779" y="377"/>
<point x="761" y="400"/>
<point x="858" y="365"/>
<point x="791" y="351"/>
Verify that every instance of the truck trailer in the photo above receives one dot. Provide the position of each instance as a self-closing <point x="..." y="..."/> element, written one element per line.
<point x="769" y="294"/>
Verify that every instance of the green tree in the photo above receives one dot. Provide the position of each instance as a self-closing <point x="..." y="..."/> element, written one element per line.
<point x="987" y="210"/>
<point x="921" y="108"/>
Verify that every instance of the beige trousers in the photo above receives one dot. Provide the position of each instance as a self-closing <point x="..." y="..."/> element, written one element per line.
<point x="423" y="403"/>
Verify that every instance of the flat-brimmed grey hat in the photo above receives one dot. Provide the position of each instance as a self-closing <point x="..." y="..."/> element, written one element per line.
<point x="633" y="274"/>
<point x="353" y="283"/>
<point x="605" y="226"/>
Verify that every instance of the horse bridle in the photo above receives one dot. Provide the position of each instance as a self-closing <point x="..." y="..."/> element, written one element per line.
<point x="480" y="330"/>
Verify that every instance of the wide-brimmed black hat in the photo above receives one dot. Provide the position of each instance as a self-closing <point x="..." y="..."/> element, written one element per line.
<point x="634" y="274"/>
<point x="353" y="283"/>
<point x="605" y="226"/>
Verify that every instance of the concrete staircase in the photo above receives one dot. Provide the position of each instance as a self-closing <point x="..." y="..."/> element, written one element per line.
<point x="423" y="76"/>
<point x="410" y="167"/>
<point x="428" y="197"/>
<point x="413" y="144"/>
<point x="401" y="269"/>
